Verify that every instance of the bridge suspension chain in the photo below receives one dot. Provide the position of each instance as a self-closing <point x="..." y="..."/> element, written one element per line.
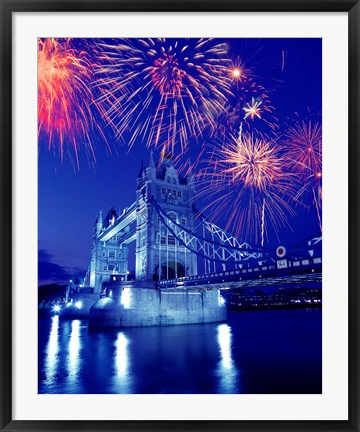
<point x="207" y="248"/>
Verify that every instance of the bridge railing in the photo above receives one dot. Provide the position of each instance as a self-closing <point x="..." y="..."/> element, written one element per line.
<point x="291" y="265"/>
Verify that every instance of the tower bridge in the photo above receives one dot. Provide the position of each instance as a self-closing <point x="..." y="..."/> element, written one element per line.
<point x="177" y="246"/>
<point x="182" y="259"/>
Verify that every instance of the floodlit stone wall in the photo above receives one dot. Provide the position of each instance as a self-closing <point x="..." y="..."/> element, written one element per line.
<point x="138" y="307"/>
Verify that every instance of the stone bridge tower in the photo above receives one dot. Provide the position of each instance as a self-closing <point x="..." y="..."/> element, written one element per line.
<point x="158" y="254"/>
<point x="107" y="257"/>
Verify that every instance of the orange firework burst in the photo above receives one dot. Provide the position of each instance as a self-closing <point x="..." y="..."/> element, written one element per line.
<point x="303" y="143"/>
<point x="253" y="161"/>
<point x="164" y="91"/>
<point x="247" y="184"/>
<point x="65" y="114"/>
<point x="236" y="73"/>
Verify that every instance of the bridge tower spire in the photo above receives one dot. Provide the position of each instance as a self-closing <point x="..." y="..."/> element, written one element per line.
<point x="151" y="162"/>
<point x="99" y="223"/>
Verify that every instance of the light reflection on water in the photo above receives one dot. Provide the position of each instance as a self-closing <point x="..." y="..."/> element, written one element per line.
<point x="51" y="353"/>
<point x="74" y="348"/>
<point x="227" y="370"/>
<point x="121" y="364"/>
<point x="252" y="353"/>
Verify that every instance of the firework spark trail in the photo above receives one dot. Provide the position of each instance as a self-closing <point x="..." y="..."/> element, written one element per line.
<point x="164" y="91"/>
<point x="186" y="165"/>
<point x="65" y="115"/>
<point x="303" y="144"/>
<point x="246" y="184"/>
<point x="263" y="224"/>
<point x="283" y="57"/>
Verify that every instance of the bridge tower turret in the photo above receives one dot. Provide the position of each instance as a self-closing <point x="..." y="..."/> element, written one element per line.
<point x="159" y="255"/>
<point x="108" y="257"/>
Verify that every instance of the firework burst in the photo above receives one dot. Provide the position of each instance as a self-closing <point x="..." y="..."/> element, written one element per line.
<point x="253" y="110"/>
<point x="251" y="99"/>
<point x="164" y="91"/>
<point x="246" y="183"/>
<point x="303" y="143"/>
<point x="65" y="116"/>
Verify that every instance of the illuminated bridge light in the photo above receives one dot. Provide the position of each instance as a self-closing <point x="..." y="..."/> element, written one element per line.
<point x="126" y="298"/>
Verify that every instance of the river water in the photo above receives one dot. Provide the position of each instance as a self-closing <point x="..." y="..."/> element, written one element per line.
<point x="267" y="351"/>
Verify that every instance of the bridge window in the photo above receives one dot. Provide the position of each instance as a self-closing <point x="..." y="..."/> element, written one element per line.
<point x="174" y="194"/>
<point x="103" y="254"/>
<point x="169" y="179"/>
<point x="174" y="180"/>
<point x="112" y="254"/>
<point x="104" y="267"/>
<point x="163" y="191"/>
<point x="172" y="216"/>
<point x="179" y="194"/>
<point x="183" y="221"/>
<point x="111" y="267"/>
<point x="163" y="240"/>
<point x="171" y="240"/>
<point x="120" y="254"/>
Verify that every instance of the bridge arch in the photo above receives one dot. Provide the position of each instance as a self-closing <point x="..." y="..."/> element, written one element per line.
<point x="171" y="270"/>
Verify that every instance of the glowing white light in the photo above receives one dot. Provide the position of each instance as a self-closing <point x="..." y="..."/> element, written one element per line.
<point x="74" y="348"/>
<point x="126" y="298"/>
<point x="221" y="300"/>
<point x="52" y="349"/>
<point x="121" y="354"/>
<point x="236" y="73"/>
<point x="227" y="370"/>
<point x="78" y="304"/>
<point x="224" y="340"/>
<point x="56" y="308"/>
<point x="122" y="364"/>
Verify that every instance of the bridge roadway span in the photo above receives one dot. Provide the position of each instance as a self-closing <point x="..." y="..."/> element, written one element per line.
<point x="276" y="270"/>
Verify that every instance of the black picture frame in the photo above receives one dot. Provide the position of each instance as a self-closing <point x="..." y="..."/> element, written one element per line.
<point x="8" y="7"/>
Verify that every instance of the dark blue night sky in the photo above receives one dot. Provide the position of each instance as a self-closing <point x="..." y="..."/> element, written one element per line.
<point x="70" y="198"/>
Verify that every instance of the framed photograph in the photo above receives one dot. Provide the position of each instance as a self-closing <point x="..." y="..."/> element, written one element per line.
<point x="179" y="209"/>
